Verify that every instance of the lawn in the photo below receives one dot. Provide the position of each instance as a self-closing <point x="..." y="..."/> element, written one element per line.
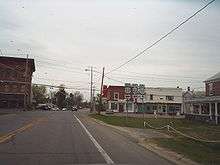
<point x="205" y="153"/>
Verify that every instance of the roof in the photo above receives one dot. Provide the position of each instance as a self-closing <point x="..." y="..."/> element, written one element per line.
<point x="204" y="99"/>
<point x="165" y="88"/>
<point x="216" y="77"/>
<point x="19" y="59"/>
<point x="115" y="86"/>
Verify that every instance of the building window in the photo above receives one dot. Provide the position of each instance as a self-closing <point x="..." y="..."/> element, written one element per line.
<point x="164" y="108"/>
<point x="177" y="108"/>
<point x="161" y="98"/>
<point x="151" y="97"/>
<point x="116" y="96"/>
<point x="114" y="106"/>
<point x="210" y="88"/>
<point x="23" y="88"/>
<point x="170" y="98"/>
<point x="154" y="107"/>
<point x="14" y="88"/>
<point x="6" y="88"/>
<point x="129" y="106"/>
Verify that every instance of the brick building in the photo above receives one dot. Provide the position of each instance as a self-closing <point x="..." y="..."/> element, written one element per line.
<point x="113" y="97"/>
<point x="14" y="72"/>
<point x="206" y="108"/>
<point x="212" y="85"/>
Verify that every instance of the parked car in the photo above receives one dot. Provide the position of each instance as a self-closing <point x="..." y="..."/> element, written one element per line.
<point x="64" y="109"/>
<point x="55" y="109"/>
<point x="43" y="107"/>
<point x="74" y="108"/>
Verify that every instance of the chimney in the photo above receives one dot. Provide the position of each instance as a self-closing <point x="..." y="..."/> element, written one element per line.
<point x="188" y="88"/>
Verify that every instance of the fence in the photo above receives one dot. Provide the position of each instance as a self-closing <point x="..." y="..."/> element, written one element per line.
<point x="169" y="128"/>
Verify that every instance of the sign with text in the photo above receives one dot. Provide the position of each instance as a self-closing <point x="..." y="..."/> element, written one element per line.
<point x="134" y="90"/>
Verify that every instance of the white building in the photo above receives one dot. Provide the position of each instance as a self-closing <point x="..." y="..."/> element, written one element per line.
<point x="163" y="100"/>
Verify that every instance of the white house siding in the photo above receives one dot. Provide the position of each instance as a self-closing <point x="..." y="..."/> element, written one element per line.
<point x="160" y="100"/>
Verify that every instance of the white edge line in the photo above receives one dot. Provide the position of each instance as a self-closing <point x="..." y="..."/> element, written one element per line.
<point x="100" y="149"/>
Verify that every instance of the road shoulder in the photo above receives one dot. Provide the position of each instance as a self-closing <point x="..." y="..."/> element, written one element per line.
<point x="145" y="142"/>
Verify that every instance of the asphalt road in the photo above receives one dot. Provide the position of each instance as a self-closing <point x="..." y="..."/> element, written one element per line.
<point x="66" y="138"/>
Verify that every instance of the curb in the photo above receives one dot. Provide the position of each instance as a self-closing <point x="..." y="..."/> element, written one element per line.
<point x="162" y="152"/>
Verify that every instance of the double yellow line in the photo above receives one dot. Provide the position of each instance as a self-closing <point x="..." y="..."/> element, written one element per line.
<point x="12" y="134"/>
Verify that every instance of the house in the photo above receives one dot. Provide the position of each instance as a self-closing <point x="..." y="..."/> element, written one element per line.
<point x="162" y="100"/>
<point x="113" y="98"/>
<point x="205" y="108"/>
<point x="15" y="81"/>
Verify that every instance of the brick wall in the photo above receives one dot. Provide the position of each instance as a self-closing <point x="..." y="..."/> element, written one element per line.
<point x="216" y="89"/>
<point x="115" y="89"/>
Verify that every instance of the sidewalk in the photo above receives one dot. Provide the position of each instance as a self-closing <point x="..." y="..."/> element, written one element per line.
<point x="143" y="138"/>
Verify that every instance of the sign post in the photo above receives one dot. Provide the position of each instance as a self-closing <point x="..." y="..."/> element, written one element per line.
<point x="142" y="94"/>
<point x="132" y="93"/>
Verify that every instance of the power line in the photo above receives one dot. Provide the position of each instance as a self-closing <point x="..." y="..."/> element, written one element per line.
<point x="66" y="87"/>
<point x="161" y="75"/>
<point x="59" y="80"/>
<point x="163" y="37"/>
<point x="157" y="79"/>
<point x="58" y="65"/>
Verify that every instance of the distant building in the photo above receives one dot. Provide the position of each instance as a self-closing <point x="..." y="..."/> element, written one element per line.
<point x="187" y="95"/>
<point x="205" y="108"/>
<point x="15" y="81"/>
<point x="162" y="100"/>
<point x="113" y="97"/>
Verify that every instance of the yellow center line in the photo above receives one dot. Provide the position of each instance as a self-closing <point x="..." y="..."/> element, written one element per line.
<point x="11" y="134"/>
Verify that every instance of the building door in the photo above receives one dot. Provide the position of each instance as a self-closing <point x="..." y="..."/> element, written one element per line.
<point x="121" y="107"/>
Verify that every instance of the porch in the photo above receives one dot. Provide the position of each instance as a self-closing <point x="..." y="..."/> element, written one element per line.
<point x="203" y="109"/>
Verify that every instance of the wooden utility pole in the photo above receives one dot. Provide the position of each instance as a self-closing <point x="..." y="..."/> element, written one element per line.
<point x="25" y="89"/>
<point x="91" y="95"/>
<point x="100" y="97"/>
<point x="93" y="99"/>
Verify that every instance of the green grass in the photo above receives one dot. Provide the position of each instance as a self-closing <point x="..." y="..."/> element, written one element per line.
<point x="205" y="153"/>
<point x="206" y="131"/>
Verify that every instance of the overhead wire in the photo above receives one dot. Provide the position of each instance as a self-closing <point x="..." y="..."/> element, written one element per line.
<point x="162" y="38"/>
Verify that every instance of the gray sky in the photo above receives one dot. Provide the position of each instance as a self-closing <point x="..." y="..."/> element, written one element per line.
<point x="65" y="37"/>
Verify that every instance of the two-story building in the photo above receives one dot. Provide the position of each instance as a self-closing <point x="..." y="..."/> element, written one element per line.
<point x="15" y="81"/>
<point x="162" y="100"/>
<point x="206" y="108"/>
<point x="113" y="97"/>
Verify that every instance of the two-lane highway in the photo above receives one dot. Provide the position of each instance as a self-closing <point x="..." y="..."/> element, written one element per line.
<point x="67" y="138"/>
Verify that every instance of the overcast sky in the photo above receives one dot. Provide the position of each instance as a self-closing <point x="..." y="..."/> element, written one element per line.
<point x="67" y="36"/>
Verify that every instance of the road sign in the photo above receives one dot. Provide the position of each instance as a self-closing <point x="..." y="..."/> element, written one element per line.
<point x="135" y="89"/>
<point x="141" y="89"/>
